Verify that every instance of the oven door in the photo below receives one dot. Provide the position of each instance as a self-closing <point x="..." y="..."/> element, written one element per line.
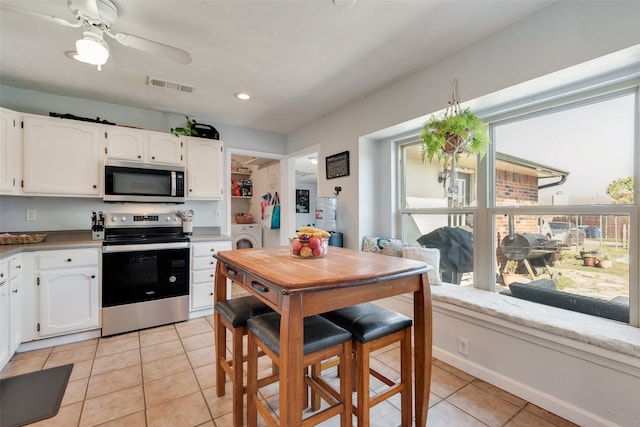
<point x="138" y="273"/>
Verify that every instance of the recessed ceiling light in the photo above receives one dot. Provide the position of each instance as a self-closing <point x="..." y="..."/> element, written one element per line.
<point x="241" y="95"/>
<point x="343" y="3"/>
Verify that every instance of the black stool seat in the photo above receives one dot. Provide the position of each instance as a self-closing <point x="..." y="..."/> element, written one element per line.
<point x="238" y="310"/>
<point x="368" y="322"/>
<point x="319" y="333"/>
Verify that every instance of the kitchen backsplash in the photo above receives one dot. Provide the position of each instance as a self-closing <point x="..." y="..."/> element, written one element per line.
<point x="61" y="213"/>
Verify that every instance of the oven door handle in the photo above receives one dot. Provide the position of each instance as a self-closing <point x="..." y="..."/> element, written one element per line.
<point x="144" y="247"/>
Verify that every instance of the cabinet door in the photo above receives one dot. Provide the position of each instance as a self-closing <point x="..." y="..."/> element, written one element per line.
<point x="62" y="157"/>
<point x="204" y="169"/>
<point x="10" y="152"/>
<point x="68" y="300"/>
<point x="165" y="148"/>
<point x="15" y="302"/>
<point x="125" y="143"/>
<point x="15" y="311"/>
<point x="5" y="353"/>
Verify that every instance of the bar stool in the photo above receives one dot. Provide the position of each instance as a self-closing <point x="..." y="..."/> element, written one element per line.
<point x="374" y="327"/>
<point x="233" y="314"/>
<point x="322" y="340"/>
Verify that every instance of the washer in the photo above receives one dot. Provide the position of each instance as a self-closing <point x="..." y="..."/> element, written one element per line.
<point x="246" y="236"/>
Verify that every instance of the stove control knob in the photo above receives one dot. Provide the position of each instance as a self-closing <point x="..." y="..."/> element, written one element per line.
<point x="123" y="219"/>
<point x="167" y="218"/>
<point x="114" y="219"/>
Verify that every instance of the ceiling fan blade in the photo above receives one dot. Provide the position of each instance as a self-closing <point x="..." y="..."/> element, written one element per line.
<point x="166" y="51"/>
<point x="50" y="18"/>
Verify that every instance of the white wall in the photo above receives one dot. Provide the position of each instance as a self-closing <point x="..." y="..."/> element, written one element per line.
<point x="55" y="213"/>
<point x="564" y="34"/>
<point x="559" y="36"/>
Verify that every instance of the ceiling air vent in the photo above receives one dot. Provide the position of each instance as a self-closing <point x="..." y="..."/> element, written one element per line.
<point x="152" y="81"/>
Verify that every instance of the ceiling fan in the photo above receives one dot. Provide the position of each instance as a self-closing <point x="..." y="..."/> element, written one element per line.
<point x="97" y="18"/>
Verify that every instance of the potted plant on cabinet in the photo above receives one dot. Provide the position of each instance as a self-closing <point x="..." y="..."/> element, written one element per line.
<point x="456" y="132"/>
<point x="187" y="130"/>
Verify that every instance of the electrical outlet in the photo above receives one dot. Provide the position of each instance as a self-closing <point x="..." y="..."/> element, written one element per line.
<point x="463" y="345"/>
<point x="30" y="214"/>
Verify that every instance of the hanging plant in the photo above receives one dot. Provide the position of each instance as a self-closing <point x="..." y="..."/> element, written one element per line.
<point x="456" y="132"/>
<point x="188" y="130"/>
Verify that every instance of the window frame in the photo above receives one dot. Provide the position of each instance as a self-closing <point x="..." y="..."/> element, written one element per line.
<point x="484" y="232"/>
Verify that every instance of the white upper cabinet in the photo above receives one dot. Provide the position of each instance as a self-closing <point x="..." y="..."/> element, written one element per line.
<point x="126" y="143"/>
<point x="62" y="157"/>
<point x="144" y="146"/>
<point x="204" y="169"/>
<point x="10" y="152"/>
<point x="165" y="148"/>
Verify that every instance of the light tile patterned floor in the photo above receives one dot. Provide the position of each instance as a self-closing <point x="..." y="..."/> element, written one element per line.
<point x="165" y="376"/>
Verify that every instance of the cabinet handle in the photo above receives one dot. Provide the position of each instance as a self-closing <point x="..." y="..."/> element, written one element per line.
<point x="231" y="272"/>
<point x="1" y="274"/>
<point x="211" y="294"/>
<point x="212" y="262"/>
<point x="190" y="190"/>
<point x="15" y="291"/>
<point x="68" y="259"/>
<point x="18" y="266"/>
<point x="258" y="287"/>
<point x="139" y="156"/>
<point x="153" y="157"/>
<point x="212" y="275"/>
<point x="95" y="186"/>
<point x="93" y="276"/>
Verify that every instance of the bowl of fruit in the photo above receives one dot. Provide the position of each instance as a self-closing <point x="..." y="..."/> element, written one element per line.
<point x="309" y="242"/>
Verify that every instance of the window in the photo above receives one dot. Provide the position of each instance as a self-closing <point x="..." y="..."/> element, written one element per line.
<point x="550" y="206"/>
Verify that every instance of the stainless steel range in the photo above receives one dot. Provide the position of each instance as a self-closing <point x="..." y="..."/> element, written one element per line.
<point x="145" y="272"/>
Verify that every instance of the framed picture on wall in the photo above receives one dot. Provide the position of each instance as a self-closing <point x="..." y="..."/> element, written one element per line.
<point x="337" y="165"/>
<point x="302" y="201"/>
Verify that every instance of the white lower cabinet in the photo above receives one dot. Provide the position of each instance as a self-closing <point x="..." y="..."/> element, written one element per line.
<point x="68" y="290"/>
<point x="15" y="302"/>
<point x="203" y="271"/>
<point x="5" y="315"/>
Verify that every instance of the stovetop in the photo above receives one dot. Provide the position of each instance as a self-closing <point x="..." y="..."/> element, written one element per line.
<point x="123" y="229"/>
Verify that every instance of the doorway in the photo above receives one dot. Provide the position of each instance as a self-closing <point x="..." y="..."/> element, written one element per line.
<point x="306" y="189"/>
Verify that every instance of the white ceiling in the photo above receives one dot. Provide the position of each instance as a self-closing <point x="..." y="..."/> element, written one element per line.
<point x="297" y="59"/>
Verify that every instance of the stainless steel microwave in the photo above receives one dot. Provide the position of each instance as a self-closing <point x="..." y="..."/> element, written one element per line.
<point x="143" y="183"/>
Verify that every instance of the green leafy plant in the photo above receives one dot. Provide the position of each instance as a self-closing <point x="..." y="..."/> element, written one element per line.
<point x="188" y="130"/>
<point x="457" y="132"/>
<point x="454" y="134"/>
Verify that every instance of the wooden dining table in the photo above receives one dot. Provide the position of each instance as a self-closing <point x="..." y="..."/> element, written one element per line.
<point x="299" y="287"/>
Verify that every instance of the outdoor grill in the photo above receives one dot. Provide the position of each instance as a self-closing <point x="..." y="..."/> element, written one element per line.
<point x="526" y="246"/>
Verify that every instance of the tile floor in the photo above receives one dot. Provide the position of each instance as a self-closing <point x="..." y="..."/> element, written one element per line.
<point x="165" y="376"/>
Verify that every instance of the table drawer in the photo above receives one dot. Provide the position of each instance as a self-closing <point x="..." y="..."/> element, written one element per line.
<point x="263" y="291"/>
<point x="202" y="276"/>
<point x="233" y="274"/>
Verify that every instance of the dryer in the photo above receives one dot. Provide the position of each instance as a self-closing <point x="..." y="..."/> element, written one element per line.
<point x="246" y="236"/>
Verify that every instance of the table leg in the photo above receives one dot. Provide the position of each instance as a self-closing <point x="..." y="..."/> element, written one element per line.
<point x="423" y="335"/>
<point x="291" y="365"/>
<point x="219" y="294"/>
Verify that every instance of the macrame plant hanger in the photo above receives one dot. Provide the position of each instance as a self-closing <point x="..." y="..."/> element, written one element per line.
<point x="454" y="144"/>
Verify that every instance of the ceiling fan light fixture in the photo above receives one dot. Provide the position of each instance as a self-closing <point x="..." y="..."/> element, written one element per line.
<point x="92" y="49"/>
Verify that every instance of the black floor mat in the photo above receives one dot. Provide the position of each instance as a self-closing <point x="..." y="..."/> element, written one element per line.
<point x="25" y="399"/>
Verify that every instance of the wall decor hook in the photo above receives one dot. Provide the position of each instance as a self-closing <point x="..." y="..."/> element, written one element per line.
<point x="337" y="190"/>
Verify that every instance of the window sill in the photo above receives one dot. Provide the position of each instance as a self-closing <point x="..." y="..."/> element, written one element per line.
<point x="608" y="334"/>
